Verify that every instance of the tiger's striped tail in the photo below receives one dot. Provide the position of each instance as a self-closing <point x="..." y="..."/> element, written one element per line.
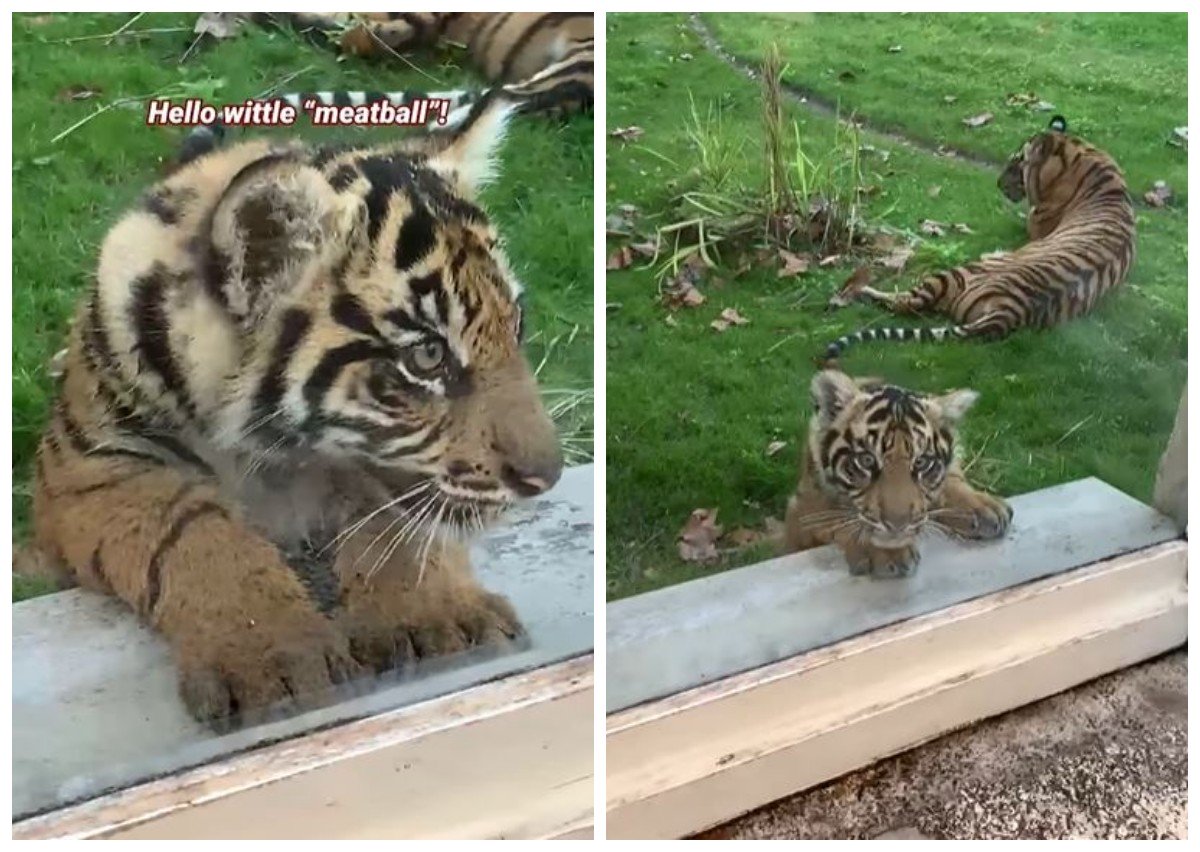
<point x="916" y="335"/>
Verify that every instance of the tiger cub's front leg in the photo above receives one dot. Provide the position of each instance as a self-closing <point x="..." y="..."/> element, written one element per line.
<point x="395" y="613"/>
<point x="241" y="626"/>
<point x="970" y="513"/>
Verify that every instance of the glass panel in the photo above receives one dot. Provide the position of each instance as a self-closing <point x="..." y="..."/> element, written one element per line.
<point x="779" y="190"/>
<point x="347" y="315"/>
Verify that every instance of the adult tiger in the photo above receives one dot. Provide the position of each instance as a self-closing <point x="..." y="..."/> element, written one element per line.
<point x="543" y="58"/>
<point x="1081" y="231"/>
<point x="881" y="467"/>
<point x="294" y="391"/>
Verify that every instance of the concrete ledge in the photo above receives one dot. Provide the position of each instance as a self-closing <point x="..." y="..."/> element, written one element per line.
<point x="679" y="638"/>
<point x="95" y="706"/>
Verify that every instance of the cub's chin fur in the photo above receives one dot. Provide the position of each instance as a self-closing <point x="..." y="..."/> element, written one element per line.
<point x="881" y="468"/>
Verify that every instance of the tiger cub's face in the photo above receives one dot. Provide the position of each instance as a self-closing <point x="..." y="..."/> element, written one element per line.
<point x="402" y="349"/>
<point x="883" y="451"/>
<point x="1031" y="169"/>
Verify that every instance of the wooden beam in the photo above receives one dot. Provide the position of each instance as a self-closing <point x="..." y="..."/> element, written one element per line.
<point x="696" y="759"/>
<point x="511" y="758"/>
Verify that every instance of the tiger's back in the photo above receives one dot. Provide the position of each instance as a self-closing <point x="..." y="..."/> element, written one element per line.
<point x="1082" y="243"/>
<point x="1082" y="240"/>
<point x="545" y="56"/>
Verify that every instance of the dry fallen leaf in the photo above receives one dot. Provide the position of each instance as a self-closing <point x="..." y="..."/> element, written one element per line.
<point x="697" y="541"/>
<point x="1043" y="106"/>
<point x="830" y="260"/>
<point x="978" y="120"/>
<point x="219" y="25"/>
<point x="681" y="291"/>
<point x="949" y="98"/>
<point x="793" y="264"/>
<point x="962" y="228"/>
<point x="628" y="134"/>
<point x="728" y="317"/>
<point x="682" y="294"/>
<point x="78" y="92"/>
<point x="853" y="285"/>
<point x="993" y="255"/>
<point x="1159" y="195"/>
<point x="895" y="48"/>
<point x="934" y="191"/>
<point x="932" y="228"/>
<point x="774" y="447"/>
<point x="897" y="259"/>
<point x="620" y="221"/>
<point x="670" y="320"/>
<point x="620" y="259"/>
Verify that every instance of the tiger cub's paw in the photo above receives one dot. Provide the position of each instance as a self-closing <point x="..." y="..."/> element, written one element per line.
<point x="983" y="518"/>
<point x="233" y="674"/>
<point x="881" y="562"/>
<point x="425" y="626"/>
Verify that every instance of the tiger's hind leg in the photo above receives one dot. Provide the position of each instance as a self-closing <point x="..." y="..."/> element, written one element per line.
<point x="396" y="612"/>
<point x="969" y="513"/>
<point x="934" y="294"/>
<point x="243" y="631"/>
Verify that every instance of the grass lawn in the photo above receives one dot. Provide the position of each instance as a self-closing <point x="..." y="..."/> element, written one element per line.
<point x="691" y="412"/>
<point x="66" y="194"/>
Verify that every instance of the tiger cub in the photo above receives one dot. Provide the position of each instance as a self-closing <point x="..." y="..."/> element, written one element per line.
<point x="1081" y="232"/>
<point x="880" y="468"/>
<point x="294" y="393"/>
<point x="544" y="59"/>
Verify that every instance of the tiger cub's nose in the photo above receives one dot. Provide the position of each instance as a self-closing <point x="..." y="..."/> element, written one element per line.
<point x="531" y="479"/>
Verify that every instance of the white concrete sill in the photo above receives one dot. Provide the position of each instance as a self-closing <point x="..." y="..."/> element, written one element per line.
<point x="95" y="706"/>
<point x="735" y="690"/>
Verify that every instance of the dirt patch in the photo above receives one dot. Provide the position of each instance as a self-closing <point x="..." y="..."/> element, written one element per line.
<point x="827" y="108"/>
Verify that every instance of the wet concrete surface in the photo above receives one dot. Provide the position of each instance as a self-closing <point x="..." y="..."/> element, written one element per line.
<point x="1107" y="760"/>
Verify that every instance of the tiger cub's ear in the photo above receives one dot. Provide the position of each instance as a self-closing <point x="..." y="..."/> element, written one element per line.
<point x="954" y="404"/>
<point x="468" y="157"/>
<point x="1058" y="123"/>
<point x="277" y="220"/>
<point x="832" y="391"/>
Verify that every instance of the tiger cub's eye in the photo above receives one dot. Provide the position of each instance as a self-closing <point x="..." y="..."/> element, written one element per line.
<point x="927" y="463"/>
<point x="865" y="461"/>
<point x="428" y="356"/>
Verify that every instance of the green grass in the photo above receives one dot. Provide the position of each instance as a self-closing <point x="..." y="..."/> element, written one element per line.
<point x="66" y="194"/>
<point x="691" y="412"/>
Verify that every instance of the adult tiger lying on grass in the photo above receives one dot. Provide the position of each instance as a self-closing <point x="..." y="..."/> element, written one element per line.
<point x="1081" y="232"/>
<point x="543" y="58"/>
<point x="880" y="468"/>
<point x="294" y="392"/>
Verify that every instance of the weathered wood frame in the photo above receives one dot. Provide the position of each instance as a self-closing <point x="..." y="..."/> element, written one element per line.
<point x="510" y="758"/>
<point x="692" y="760"/>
